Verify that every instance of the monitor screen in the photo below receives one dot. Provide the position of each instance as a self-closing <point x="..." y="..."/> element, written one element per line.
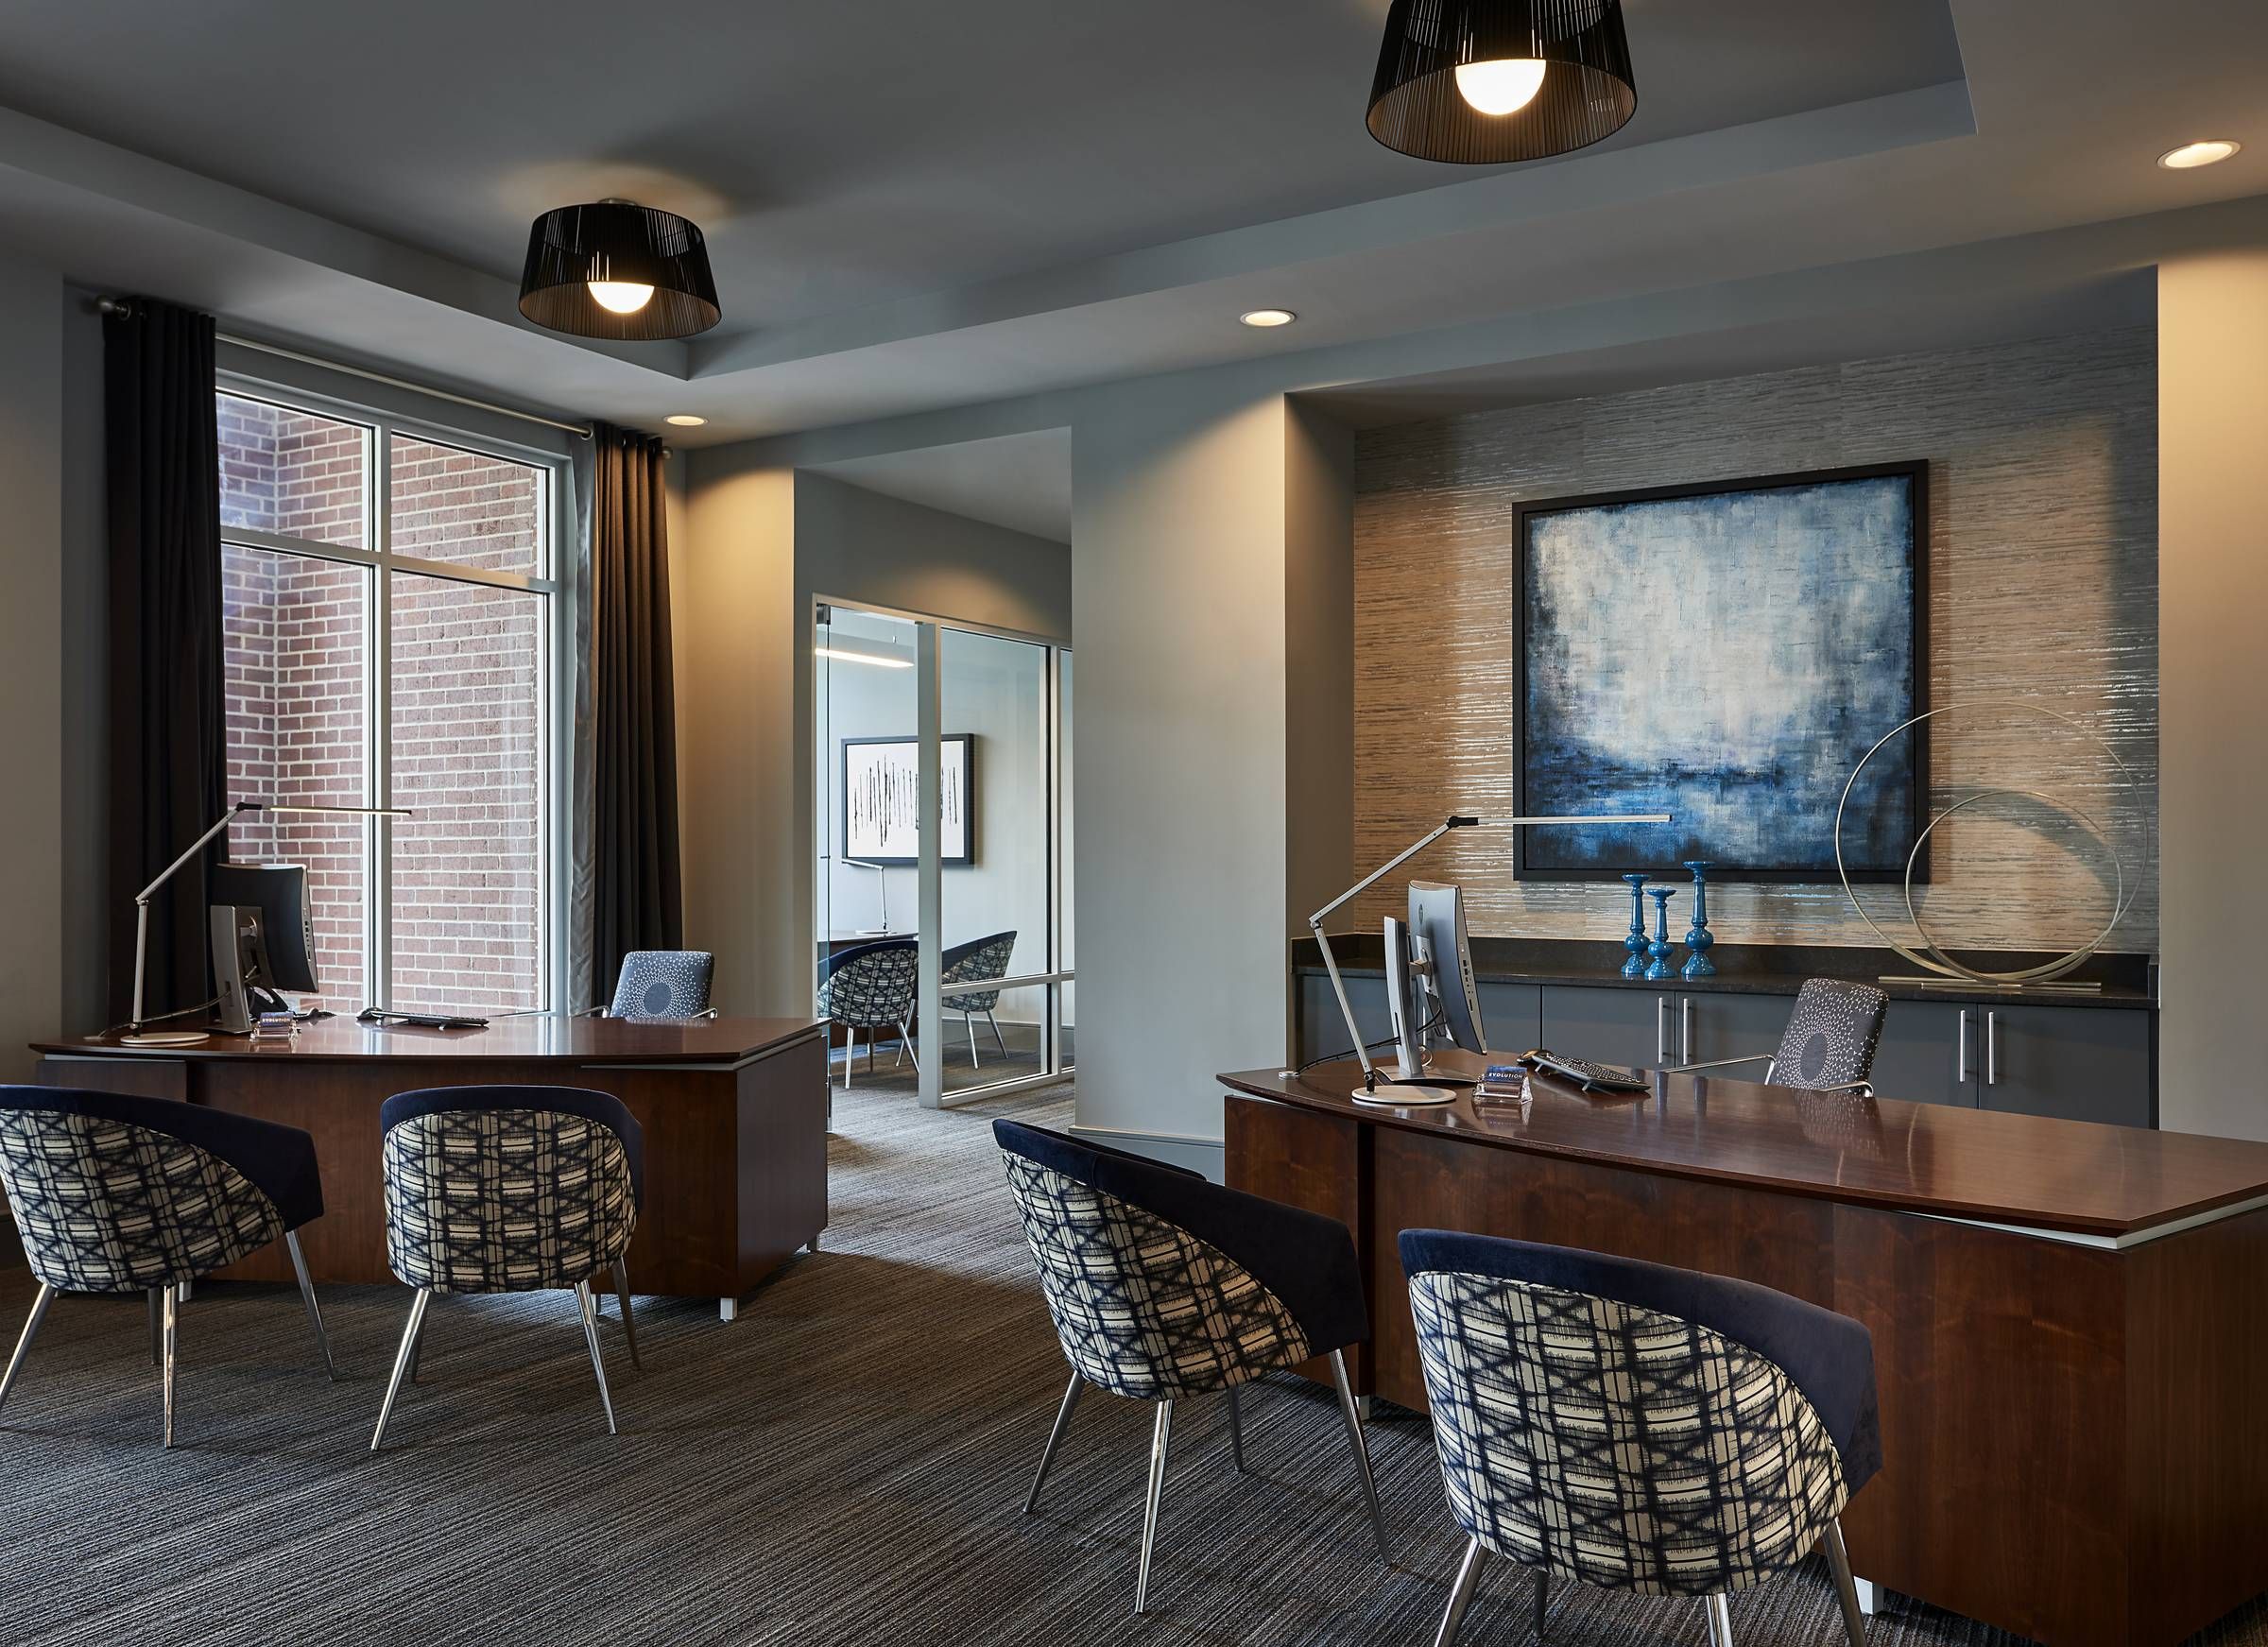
<point x="1438" y="916"/>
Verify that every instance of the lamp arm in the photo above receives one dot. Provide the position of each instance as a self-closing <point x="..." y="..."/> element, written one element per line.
<point x="1330" y="963"/>
<point x="142" y="898"/>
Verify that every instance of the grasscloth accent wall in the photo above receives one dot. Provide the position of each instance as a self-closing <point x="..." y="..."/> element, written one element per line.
<point x="2042" y="581"/>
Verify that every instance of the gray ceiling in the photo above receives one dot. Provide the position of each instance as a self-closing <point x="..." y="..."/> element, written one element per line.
<point x="1022" y="482"/>
<point x="916" y="207"/>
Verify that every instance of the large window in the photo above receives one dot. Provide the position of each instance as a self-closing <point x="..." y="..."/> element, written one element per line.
<point x="388" y="615"/>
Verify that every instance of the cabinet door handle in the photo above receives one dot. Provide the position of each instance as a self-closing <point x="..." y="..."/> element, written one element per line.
<point x="1684" y="1030"/>
<point x="1661" y="1029"/>
<point x="1992" y="1048"/>
<point x="1960" y="1056"/>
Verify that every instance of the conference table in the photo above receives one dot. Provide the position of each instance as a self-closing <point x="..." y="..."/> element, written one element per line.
<point x="733" y="1112"/>
<point x="2070" y="1320"/>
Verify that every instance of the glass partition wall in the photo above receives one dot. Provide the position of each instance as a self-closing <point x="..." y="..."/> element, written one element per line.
<point x="964" y="928"/>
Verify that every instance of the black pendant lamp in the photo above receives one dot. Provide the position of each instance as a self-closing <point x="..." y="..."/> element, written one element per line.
<point x="1482" y="82"/>
<point x="618" y="270"/>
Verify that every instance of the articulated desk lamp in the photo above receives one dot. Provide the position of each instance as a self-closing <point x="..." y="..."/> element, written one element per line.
<point x="136" y="1036"/>
<point x="1371" y="1076"/>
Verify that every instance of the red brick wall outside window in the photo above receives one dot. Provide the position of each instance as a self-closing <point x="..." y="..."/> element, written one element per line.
<point x="463" y="708"/>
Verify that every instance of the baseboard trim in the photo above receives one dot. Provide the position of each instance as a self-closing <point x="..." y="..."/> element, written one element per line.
<point x="1204" y="1155"/>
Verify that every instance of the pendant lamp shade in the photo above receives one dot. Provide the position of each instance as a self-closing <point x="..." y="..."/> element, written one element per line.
<point x="650" y="269"/>
<point x="1419" y="102"/>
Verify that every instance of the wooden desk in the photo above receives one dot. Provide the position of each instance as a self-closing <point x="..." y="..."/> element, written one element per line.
<point x="734" y="1112"/>
<point x="2070" y="1320"/>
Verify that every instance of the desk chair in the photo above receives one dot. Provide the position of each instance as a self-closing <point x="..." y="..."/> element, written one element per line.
<point x="1636" y="1427"/>
<point x="977" y="962"/>
<point x="1829" y="1045"/>
<point x="1163" y="1285"/>
<point x="120" y="1194"/>
<point x="664" y="987"/>
<point x="872" y="987"/>
<point x="509" y="1190"/>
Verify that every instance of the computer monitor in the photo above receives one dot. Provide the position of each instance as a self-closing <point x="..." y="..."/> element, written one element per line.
<point x="267" y="943"/>
<point x="1444" y="962"/>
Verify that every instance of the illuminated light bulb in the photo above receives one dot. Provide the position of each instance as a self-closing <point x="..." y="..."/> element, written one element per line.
<point x="1501" y="85"/>
<point x="621" y="296"/>
<point x="2211" y="151"/>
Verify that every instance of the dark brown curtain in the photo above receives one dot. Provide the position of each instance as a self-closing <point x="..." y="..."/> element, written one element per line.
<point x="637" y="903"/>
<point x="167" y="720"/>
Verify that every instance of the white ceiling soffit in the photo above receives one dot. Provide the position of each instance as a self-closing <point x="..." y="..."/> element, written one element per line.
<point x="1022" y="482"/>
<point x="1730" y="175"/>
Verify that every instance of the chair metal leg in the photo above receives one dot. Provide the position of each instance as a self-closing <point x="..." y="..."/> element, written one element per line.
<point x="1543" y="1599"/>
<point x="403" y="1358"/>
<point x="1846" y="1592"/>
<point x="899" y="1062"/>
<point x="849" y="1055"/>
<point x="1719" y="1619"/>
<point x="589" y="1310"/>
<point x="1055" y="1439"/>
<point x="315" y="1314"/>
<point x="630" y="1328"/>
<point x="157" y="1329"/>
<point x="1160" y="1435"/>
<point x="968" y="1021"/>
<point x="1361" y="1453"/>
<point x="1460" y="1594"/>
<point x="173" y="1310"/>
<point x="998" y="1040"/>
<point x="39" y="1302"/>
<point x="1236" y="1432"/>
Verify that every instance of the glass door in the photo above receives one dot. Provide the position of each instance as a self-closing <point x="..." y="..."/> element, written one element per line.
<point x="907" y="706"/>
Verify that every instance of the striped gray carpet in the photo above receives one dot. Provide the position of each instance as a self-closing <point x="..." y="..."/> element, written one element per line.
<point x="846" y="1463"/>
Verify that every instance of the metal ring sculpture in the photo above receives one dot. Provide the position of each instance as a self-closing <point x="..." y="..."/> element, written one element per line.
<point x="1936" y="960"/>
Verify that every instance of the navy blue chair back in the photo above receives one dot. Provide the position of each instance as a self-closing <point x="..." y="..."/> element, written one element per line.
<point x="1635" y="1426"/>
<point x="116" y="1194"/>
<point x="976" y="962"/>
<point x="508" y="1189"/>
<point x="871" y="987"/>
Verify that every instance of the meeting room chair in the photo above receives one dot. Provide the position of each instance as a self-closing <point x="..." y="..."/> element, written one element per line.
<point x="872" y="987"/>
<point x="1163" y="1285"/>
<point x="977" y="962"/>
<point x="1829" y="1041"/>
<point x="664" y="987"/>
<point x="113" y="1193"/>
<point x="1636" y="1427"/>
<point x="509" y="1190"/>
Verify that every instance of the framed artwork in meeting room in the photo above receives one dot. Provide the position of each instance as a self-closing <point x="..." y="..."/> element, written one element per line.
<point x="1725" y="653"/>
<point x="881" y="799"/>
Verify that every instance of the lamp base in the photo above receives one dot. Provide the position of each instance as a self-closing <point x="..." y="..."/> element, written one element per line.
<point x="1402" y="1095"/>
<point x="165" y="1037"/>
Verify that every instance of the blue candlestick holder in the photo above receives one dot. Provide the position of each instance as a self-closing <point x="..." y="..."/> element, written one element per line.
<point x="1697" y="936"/>
<point x="1636" y="943"/>
<point x="1661" y="949"/>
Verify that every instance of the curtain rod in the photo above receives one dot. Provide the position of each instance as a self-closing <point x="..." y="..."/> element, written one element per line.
<point x="582" y="431"/>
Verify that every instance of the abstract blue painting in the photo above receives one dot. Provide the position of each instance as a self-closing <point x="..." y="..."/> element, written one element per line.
<point x="1726" y="655"/>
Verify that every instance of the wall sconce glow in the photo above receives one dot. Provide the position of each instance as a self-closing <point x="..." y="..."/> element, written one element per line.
<point x="843" y="656"/>
<point x="2205" y="152"/>
<point x="685" y="420"/>
<point x="1268" y="316"/>
<point x="1502" y="85"/>
<point x="621" y="297"/>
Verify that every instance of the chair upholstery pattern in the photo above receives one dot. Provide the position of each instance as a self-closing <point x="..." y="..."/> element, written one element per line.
<point x="1617" y="1444"/>
<point x="871" y="987"/>
<point x="490" y="1194"/>
<point x="107" y="1207"/>
<point x="977" y="963"/>
<point x="1832" y="1034"/>
<point x="1143" y="1308"/>
<point x="658" y="985"/>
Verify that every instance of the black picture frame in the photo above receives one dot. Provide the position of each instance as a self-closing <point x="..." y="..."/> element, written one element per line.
<point x="1916" y="474"/>
<point x="967" y="742"/>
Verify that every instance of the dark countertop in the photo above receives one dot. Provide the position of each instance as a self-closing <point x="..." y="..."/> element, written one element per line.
<point x="1754" y="969"/>
<point x="2035" y="1172"/>
<point x="534" y="1037"/>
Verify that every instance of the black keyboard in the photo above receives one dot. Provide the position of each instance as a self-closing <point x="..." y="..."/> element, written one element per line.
<point x="1587" y="1075"/>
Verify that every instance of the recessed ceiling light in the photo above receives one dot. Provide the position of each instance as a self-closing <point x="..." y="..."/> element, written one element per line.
<point x="685" y="420"/>
<point x="1268" y="316"/>
<point x="2205" y="152"/>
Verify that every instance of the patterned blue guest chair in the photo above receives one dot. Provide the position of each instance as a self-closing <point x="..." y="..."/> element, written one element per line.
<point x="981" y="961"/>
<point x="872" y="987"/>
<point x="1163" y="1285"/>
<point x="509" y="1190"/>
<point x="1637" y="1427"/>
<point x="121" y="1195"/>
<point x="664" y="987"/>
